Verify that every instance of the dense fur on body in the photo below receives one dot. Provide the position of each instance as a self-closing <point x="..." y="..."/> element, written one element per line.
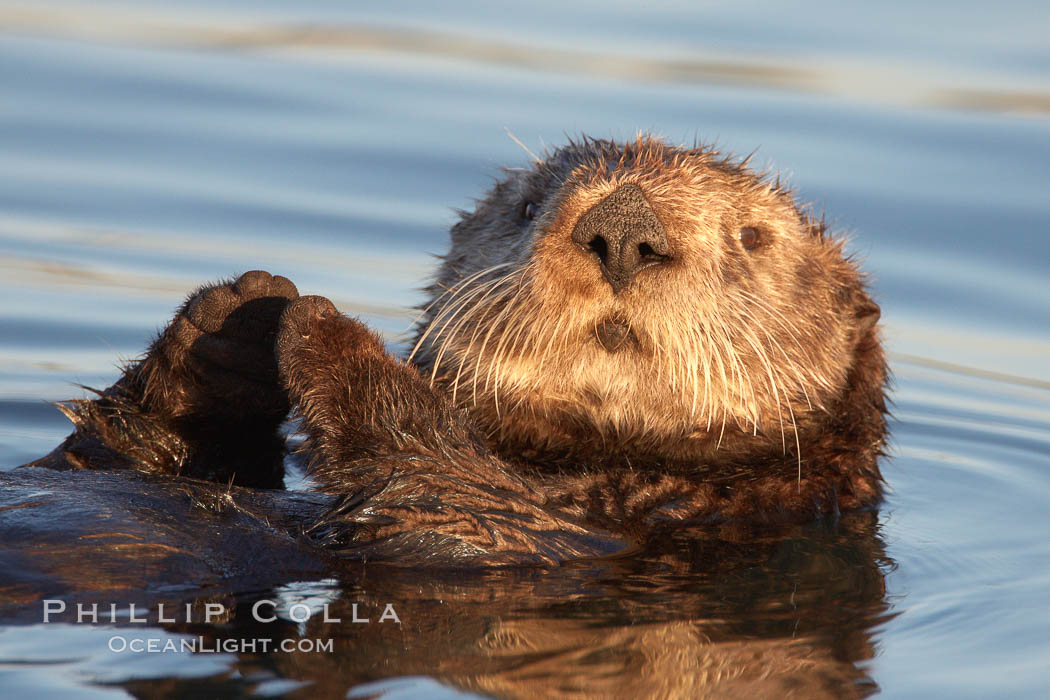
<point x="565" y="395"/>
<point x="415" y="481"/>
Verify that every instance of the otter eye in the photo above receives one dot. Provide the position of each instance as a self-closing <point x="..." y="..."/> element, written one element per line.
<point x="528" y="211"/>
<point x="750" y="237"/>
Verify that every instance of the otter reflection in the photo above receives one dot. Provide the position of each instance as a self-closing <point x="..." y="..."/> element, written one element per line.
<point x="790" y="612"/>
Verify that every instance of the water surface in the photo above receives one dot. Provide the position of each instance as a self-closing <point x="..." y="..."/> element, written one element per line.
<point x="148" y="148"/>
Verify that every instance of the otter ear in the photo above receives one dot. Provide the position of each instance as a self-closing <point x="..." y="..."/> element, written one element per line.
<point x="867" y="315"/>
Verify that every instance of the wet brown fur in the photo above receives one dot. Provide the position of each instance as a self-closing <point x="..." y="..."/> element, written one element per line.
<point x="751" y="389"/>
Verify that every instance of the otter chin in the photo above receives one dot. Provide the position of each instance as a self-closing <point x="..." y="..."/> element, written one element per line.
<point x="661" y="307"/>
<point x="614" y="334"/>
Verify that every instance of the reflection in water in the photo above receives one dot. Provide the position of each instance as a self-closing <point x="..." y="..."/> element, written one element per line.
<point x="702" y="614"/>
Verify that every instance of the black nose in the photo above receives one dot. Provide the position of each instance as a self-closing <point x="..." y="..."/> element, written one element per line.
<point x="624" y="234"/>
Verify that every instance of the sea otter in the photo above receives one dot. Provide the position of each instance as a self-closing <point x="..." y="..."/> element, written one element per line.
<point x="623" y="337"/>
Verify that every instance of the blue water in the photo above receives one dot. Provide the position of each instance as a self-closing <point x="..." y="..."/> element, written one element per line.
<point x="150" y="147"/>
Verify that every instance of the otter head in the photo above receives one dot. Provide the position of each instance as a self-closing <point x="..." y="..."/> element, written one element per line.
<point x="641" y="303"/>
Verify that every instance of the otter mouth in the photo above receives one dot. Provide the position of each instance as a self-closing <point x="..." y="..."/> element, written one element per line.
<point x="614" y="335"/>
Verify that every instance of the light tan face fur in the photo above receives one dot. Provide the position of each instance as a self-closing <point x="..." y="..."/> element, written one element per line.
<point x="728" y="347"/>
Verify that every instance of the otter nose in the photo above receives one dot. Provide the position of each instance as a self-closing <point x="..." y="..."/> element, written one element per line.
<point x="624" y="234"/>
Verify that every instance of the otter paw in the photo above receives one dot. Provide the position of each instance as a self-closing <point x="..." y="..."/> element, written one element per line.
<point x="314" y="338"/>
<point x="215" y="360"/>
<point x="302" y="317"/>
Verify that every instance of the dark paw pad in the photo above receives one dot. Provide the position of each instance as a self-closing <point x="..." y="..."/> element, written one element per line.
<point x="216" y="358"/>
<point x="247" y="309"/>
